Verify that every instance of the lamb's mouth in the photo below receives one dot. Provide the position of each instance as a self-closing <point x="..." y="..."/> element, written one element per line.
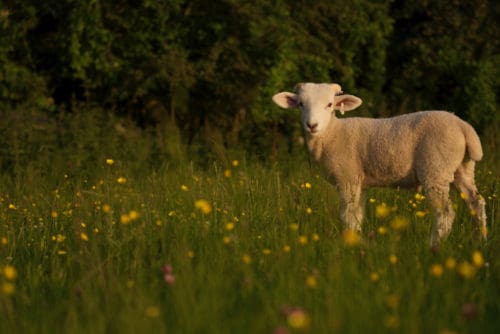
<point x="312" y="132"/>
<point x="311" y="128"/>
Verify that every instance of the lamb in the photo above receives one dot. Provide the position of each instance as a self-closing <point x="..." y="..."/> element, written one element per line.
<point x="428" y="149"/>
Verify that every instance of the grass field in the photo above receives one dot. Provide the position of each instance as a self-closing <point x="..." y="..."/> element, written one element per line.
<point x="119" y="245"/>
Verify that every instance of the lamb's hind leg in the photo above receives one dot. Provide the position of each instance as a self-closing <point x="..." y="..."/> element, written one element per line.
<point x="464" y="181"/>
<point x="439" y="199"/>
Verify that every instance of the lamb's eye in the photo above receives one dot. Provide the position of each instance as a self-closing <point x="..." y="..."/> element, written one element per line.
<point x="329" y="105"/>
<point x="301" y="104"/>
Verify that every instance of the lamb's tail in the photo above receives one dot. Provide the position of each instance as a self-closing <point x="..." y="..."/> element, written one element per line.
<point x="474" y="149"/>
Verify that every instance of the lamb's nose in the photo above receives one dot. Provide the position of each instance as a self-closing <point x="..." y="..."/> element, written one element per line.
<point x="312" y="127"/>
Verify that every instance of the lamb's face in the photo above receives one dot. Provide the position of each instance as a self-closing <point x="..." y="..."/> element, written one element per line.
<point x="317" y="103"/>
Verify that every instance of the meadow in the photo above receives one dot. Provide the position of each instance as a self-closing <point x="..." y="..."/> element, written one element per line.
<point x="106" y="236"/>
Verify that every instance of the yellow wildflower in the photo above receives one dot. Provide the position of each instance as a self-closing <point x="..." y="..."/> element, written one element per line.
<point x="419" y="197"/>
<point x="393" y="259"/>
<point x="235" y="163"/>
<point x="447" y="331"/>
<point x="382" y="211"/>
<point x="307" y="185"/>
<point x="374" y="277"/>
<point x="421" y="214"/>
<point x="450" y="263"/>
<point x="9" y="272"/>
<point x="392" y="301"/>
<point x="8" y="288"/>
<point x="203" y="205"/>
<point x="286" y="249"/>
<point x="4" y="241"/>
<point x="84" y="236"/>
<point x="227" y="173"/>
<point x="309" y="211"/>
<point x="302" y="239"/>
<point x="229" y="226"/>
<point x="436" y="270"/>
<point x="133" y="215"/>
<point x="477" y="259"/>
<point x="466" y="270"/>
<point x="110" y="161"/>
<point x="382" y="230"/>
<point x="54" y="214"/>
<point x="152" y="312"/>
<point x="294" y="226"/>
<point x="184" y="187"/>
<point x="190" y="254"/>
<point x="311" y="281"/>
<point x="12" y="206"/>
<point x="391" y="321"/>
<point x="351" y="238"/>
<point x="121" y="180"/>
<point x="246" y="259"/>
<point x="372" y="200"/>
<point x="315" y="236"/>
<point x="226" y="240"/>
<point x="266" y="251"/>
<point x="298" y="319"/>
<point x="106" y="208"/>
<point x="124" y="219"/>
<point x="399" y="223"/>
<point x="59" y="237"/>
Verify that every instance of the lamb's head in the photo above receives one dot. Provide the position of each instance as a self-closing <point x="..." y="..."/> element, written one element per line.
<point x="317" y="103"/>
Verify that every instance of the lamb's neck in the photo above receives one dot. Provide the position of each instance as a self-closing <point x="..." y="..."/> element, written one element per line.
<point x="316" y="144"/>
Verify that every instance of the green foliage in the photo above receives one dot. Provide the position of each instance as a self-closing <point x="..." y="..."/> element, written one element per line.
<point x="205" y="71"/>
<point x="87" y="229"/>
<point x="449" y="52"/>
<point x="118" y="116"/>
<point x="19" y="84"/>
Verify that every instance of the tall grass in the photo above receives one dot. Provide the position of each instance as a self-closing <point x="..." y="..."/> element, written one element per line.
<point x="105" y="235"/>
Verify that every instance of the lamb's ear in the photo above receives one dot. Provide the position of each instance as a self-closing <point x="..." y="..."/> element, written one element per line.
<point x="286" y="100"/>
<point x="346" y="102"/>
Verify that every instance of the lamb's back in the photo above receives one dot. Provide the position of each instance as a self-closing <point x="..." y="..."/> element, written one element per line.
<point x="388" y="149"/>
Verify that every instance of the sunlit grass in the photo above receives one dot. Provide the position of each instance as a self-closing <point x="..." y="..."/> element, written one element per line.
<point x="234" y="248"/>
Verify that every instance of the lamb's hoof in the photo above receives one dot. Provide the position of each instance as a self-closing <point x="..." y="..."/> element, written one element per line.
<point x="435" y="242"/>
<point x="481" y="234"/>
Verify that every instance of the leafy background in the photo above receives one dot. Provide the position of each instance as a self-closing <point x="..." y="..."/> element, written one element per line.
<point x="148" y="184"/>
<point x="202" y="73"/>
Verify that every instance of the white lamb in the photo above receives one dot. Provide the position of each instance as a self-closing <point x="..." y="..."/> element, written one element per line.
<point x="427" y="148"/>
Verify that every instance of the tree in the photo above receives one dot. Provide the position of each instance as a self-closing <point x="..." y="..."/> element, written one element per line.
<point x="445" y="55"/>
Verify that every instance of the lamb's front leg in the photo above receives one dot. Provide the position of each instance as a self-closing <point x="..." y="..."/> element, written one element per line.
<point x="351" y="206"/>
